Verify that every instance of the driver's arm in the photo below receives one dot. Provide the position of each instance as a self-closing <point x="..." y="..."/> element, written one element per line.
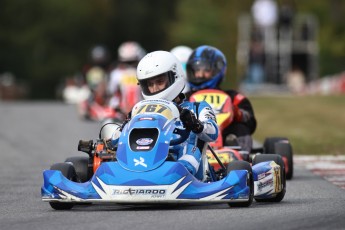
<point x="207" y="117"/>
<point x="203" y="124"/>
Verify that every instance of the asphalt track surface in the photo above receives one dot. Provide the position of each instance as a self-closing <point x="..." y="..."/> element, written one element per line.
<point x="35" y="135"/>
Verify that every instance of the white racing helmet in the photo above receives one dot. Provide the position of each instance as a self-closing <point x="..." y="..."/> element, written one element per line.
<point x="182" y="53"/>
<point x="161" y="63"/>
<point x="130" y="51"/>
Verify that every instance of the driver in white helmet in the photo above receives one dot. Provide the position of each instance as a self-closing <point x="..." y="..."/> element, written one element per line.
<point x="161" y="76"/>
<point x="122" y="87"/>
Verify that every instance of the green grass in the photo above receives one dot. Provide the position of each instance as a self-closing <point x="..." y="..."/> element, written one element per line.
<point x="313" y="124"/>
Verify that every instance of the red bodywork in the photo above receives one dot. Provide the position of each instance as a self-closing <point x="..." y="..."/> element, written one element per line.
<point x="223" y="108"/>
<point x="97" y="112"/>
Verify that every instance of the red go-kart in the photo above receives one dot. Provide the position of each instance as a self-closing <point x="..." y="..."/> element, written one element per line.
<point x="220" y="153"/>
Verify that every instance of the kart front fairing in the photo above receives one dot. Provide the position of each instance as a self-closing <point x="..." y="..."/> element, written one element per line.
<point x="166" y="184"/>
<point x="141" y="173"/>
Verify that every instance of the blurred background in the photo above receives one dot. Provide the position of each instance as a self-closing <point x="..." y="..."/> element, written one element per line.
<point x="284" y="43"/>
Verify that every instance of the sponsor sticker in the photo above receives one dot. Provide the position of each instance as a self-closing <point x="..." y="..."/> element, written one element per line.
<point x="145" y="118"/>
<point x="139" y="192"/>
<point x="261" y="186"/>
<point x="143" y="147"/>
<point x="261" y="176"/>
<point x="144" y="141"/>
<point x="141" y="162"/>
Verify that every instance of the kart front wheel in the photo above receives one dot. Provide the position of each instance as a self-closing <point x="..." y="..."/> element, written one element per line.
<point x="81" y="166"/>
<point x="243" y="165"/>
<point x="69" y="172"/>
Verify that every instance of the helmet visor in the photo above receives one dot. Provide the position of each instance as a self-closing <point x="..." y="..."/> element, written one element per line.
<point x="157" y="84"/>
<point x="199" y="71"/>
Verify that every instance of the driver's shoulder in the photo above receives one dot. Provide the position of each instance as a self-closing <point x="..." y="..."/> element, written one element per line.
<point x="190" y="105"/>
<point x="187" y="104"/>
<point x="197" y="107"/>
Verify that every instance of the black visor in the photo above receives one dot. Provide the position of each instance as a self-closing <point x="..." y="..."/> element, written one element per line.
<point x="194" y="66"/>
<point x="164" y="80"/>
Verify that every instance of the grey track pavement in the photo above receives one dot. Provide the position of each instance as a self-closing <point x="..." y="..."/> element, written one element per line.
<point x="35" y="135"/>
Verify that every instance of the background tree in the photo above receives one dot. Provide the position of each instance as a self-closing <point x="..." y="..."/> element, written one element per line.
<point x="43" y="41"/>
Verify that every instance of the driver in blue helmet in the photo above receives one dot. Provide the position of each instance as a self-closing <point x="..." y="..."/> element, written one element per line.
<point x="206" y="68"/>
<point x="161" y="76"/>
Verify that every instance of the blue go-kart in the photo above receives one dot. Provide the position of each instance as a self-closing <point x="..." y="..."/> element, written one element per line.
<point x="141" y="169"/>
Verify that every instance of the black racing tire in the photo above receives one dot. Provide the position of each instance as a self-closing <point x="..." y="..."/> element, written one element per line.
<point x="278" y="160"/>
<point x="242" y="165"/>
<point x="81" y="166"/>
<point x="282" y="147"/>
<point x="270" y="142"/>
<point x="69" y="172"/>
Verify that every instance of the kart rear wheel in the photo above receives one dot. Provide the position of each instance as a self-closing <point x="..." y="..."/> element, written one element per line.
<point x="81" y="166"/>
<point x="270" y="142"/>
<point x="243" y="165"/>
<point x="282" y="147"/>
<point x="69" y="172"/>
<point x="279" y="161"/>
<point x="285" y="150"/>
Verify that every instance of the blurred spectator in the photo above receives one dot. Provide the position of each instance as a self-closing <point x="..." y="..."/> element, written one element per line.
<point x="286" y="15"/>
<point x="295" y="80"/>
<point x="265" y="15"/>
<point x="255" y="71"/>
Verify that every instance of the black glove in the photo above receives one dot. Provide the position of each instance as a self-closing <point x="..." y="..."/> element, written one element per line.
<point x="190" y="121"/>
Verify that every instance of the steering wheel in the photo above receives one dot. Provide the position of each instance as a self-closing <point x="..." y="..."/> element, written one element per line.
<point x="183" y="133"/>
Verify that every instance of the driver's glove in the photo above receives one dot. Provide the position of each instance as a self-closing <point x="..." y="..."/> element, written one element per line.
<point x="190" y="122"/>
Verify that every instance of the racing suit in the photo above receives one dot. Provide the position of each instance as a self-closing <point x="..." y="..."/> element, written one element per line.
<point x="244" y="123"/>
<point x="189" y="153"/>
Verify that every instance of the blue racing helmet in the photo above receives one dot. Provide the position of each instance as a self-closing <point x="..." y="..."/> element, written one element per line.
<point x="206" y="58"/>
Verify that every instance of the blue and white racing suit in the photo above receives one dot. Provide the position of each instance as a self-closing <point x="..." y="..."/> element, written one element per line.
<point x="189" y="153"/>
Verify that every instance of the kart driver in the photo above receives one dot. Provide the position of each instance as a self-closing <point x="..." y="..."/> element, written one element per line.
<point x="122" y="87"/>
<point x="206" y="68"/>
<point x="161" y="76"/>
